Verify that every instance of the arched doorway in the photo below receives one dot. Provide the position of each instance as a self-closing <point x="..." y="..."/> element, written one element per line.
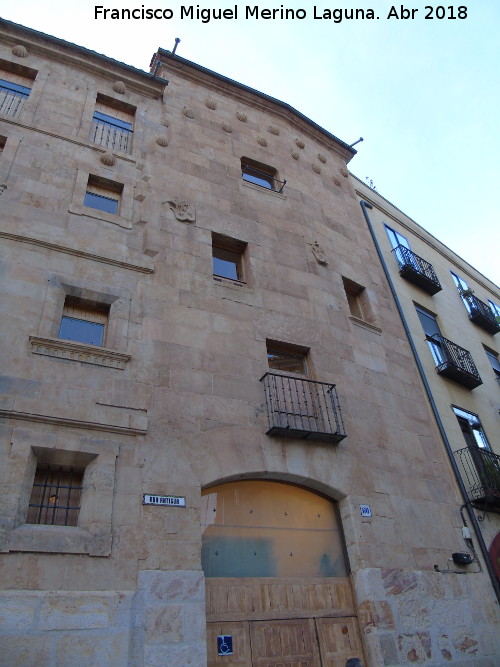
<point x="277" y="580"/>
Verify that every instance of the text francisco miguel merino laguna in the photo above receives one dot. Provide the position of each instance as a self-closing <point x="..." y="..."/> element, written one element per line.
<point x="205" y="14"/>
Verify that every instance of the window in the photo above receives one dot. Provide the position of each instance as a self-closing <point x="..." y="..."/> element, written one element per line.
<point x="432" y="335"/>
<point x="55" y="498"/>
<point x="463" y="289"/>
<point x="471" y="428"/>
<point x="260" y="174"/>
<point x="287" y="358"/>
<point x="14" y="91"/>
<point x="83" y="321"/>
<point x="112" y="126"/>
<point x="495" y="309"/>
<point x="398" y="241"/>
<point x="228" y="258"/>
<point x="493" y="359"/>
<point x="357" y="300"/>
<point x="103" y="195"/>
<point x="3" y="141"/>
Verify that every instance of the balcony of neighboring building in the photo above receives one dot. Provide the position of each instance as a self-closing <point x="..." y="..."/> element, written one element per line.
<point x="480" y="313"/>
<point x="454" y="362"/>
<point x="417" y="270"/>
<point x="302" y="409"/>
<point x="480" y="472"/>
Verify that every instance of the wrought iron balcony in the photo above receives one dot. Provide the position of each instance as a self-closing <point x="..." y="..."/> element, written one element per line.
<point x="454" y="362"/>
<point x="480" y="472"/>
<point x="417" y="270"/>
<point x="480" y="313"/>
<point x="302" y="409"/>
<point x="12" y="98"/>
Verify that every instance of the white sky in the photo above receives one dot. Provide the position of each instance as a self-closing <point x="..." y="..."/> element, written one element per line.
<point x="424" y="94"/>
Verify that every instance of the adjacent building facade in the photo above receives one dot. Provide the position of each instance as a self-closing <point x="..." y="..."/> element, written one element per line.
<point x="452" y="313"/>
<point x="216" y="446"/>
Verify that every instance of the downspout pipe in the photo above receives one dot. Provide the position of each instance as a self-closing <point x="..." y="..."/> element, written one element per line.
<point x="477" y="528"/>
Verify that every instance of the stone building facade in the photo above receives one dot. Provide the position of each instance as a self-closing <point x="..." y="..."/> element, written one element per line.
<point x="215" y="445"/>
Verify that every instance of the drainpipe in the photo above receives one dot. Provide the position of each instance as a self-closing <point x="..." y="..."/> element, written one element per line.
<point x="477" y="529"/>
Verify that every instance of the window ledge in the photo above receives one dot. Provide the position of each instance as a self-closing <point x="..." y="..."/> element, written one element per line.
<point x="365" y="325"/>
<point x="100" y="215"/>
<point x="87" y="354"/>
<point x="236" y="284"/>
<point x="261" y="188"/>
<point x="56" y="539"/>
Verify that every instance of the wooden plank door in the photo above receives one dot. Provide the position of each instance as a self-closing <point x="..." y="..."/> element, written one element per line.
<point x="339" y="639"/>
<point x="290" y="643"/>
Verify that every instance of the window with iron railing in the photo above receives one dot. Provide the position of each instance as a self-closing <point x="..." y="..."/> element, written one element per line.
<point x="111" y="132"/>
<point x="479" y="312"/>
<point x="55" y="498"/>
<point x="412" y="267"/>
<point x="261" y="174"/>
<point x="12" y="98"/>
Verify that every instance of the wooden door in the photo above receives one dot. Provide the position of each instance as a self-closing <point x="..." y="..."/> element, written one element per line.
<point x="239" y="630"/>
<point x="339" y="639"/>
<point x="290" y="643"/>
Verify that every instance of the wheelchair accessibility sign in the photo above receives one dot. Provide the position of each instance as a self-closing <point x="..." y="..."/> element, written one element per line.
<point x="225" y="645"/>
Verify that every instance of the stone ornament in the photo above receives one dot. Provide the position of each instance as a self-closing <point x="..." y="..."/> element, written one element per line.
<point x="300" y="143"/>
<point x="119" y="87"/>
<point x="344" y="172"/>
<point x="227" y="128"/>
<point x="210" y="104"/>
<point x="262" y="141"/>
<point x="20" y="51"/>
<point x="337" y="181"/>
<point x="108" y="159"/>
<point x="182" y="210"/>
<point x="295" y="155"/>
<point x="189" y="113"/>
<point x="165" y="122"/>
<point x="162" y="140"/>
<point x="321" y="158"/>
<point x="318" y="252"/>
<point x="241" y="116"/>
<point x="273" y="130"/>
<point x="3" y="187"/>
<point x="316" y="168"/>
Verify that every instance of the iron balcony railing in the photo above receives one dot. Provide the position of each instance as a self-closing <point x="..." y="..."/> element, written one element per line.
<point x="12" y="97"/>
<point x="262" y="178"/>
<point x="480" y="313"/>
<point x="302" y="409"/>
<point x="417" y="270"/>
<point x="480" y="472"/>
<point x="111" y="135"/>
<point x="455" y="362"/>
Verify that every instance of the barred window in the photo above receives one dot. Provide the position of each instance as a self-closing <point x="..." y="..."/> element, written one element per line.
<point x="55" y="498"/>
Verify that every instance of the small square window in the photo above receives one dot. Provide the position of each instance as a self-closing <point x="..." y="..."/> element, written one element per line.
<point x="260" y="174"/>
<point x="103" y="195"/>
<point x="228" y="258"/>
<point x="287" y="358"/>
<point x="55" y="498"/>
<point x="83" y="321"/>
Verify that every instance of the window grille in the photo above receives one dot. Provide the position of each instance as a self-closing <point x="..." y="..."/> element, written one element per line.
<point x="55" y="498"/>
